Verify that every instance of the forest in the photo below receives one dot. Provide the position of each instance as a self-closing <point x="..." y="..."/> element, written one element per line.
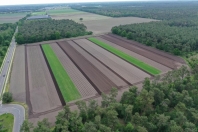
<point x="42" y="30"/>
<point x="174" y="36"/>
<point x="165" y="104"/>
<point x="154" y="10"/>
<point x="6" y="32"/>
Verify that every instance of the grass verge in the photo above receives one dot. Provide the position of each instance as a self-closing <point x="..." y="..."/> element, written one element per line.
<point x="67" y="87"/>
<point x="126" y="57"/>
<point x="7" y="122"/>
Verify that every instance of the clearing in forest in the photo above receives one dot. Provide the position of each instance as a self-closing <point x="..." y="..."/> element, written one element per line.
<point x="126" y="57"/>
<point x="67" y="87"/>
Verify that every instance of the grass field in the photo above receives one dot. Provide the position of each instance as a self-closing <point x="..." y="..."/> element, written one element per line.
<point x="39" y="13"/>
<point x="7" y="121"/>
<point x="126" y="57"/>
<point x="62" y="11"/>
<point x="11" y="17"/>
<point x="67" y="87"/>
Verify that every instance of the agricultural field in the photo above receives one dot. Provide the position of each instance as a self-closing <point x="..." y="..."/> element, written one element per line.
<point x="11" y="17"/>
<point x="65" y="71"/>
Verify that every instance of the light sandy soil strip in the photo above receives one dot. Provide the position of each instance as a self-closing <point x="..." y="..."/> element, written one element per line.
<point x="124" y="69"/>
<point x="83" y="86"/>
<point x="140" y="57"/>
<point x="17" y="81"/>
<point x="100" y="82"/>
<point x="114" y="78"/>
<point x="43" y="94"/>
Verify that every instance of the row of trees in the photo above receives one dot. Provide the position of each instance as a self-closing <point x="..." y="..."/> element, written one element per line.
<point x="174" y="36"/>
<point x="155" y="10"/>
<point x="6" y="32"/>
<point x="43" y="30"/>
<point x="167" y="104"/>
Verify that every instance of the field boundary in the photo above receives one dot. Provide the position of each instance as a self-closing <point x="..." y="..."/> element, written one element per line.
<point x="28" y="101"/>
<point x="53" y="78"/>
<point x="124" y="60"/>
<point x="94" y="86"/>
<point x="104" y="64"/>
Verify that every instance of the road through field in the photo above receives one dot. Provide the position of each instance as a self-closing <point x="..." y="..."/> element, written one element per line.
<point x="43" y="94"/>
<point x="17" y="80"/>
<point x="160" y="59"/>
<point x="123" y="68"/>
<point x="81" y="83"/>
<point x="112" y="76"/>
<point x="99" y="80"/>
<point x="138" y="56"/>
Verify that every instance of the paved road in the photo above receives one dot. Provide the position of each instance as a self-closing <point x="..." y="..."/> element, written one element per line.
<point x="18" y="112"/>
<point x="7" y="64"/>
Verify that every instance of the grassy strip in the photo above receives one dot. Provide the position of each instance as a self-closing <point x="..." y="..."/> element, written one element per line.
<point x="7" y="122"/>
<point x="67" y="87"/>
<point x="126" y="57"/>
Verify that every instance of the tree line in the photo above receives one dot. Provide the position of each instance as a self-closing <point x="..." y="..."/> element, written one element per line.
<point x="6" y="32"/>
<point x="174" y="36"/>
<point x="31" y="31"/>
<point x="165" y="104"/>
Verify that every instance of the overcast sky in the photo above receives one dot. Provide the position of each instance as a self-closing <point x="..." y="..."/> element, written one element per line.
<point x="19" y="2"/>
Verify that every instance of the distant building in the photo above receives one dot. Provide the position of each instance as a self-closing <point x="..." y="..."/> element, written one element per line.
<point x="39" y="17"/>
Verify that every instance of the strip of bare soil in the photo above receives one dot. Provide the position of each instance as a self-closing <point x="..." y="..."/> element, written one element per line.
<point x="159" y="52"/>
<point x="101" y="82"/>
<point x="160" y="59"/>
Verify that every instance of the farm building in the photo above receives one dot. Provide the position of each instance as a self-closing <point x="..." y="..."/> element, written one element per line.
<point x="39" y="17"/>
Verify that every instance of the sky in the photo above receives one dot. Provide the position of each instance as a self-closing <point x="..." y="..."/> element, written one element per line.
<point x="19" y="2"/>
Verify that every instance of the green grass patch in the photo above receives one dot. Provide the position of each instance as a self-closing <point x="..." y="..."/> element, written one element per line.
<point x="67" y="87"/>
<point x="62" y="11"/>
<point x="7" y="122"/>
<point x="126" y="57"/>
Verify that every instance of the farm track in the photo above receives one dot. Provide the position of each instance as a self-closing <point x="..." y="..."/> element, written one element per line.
<point x="43" y="94"/>
<point x="155" y="57"/>
<point x="159" y="52"/>
<point x="17" y="85"/>
<point x="83" y="86"/>
<point x="121" y="67"/>
<point x="113" y="76"/>
<point x="100" y="82"/>
<point x="139" y="57"/>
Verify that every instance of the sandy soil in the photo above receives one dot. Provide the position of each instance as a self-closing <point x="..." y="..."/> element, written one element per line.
<point x="140" y="57"/>
<point x="159" y="52"/>
<point x="155" y="57"/>
<point x="105" y="25"/>
<point x="100" y="82"/>
<point x="17" y="80"/>
<point x="81" y="83"/>
<point x="43" y="94"/>
<point x="112" y="76"/>
<point x="121" y="67"/>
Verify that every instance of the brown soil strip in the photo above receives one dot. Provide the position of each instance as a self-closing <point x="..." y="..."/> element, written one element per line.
<point x="118" y="65"/>
<point x="27" y="85"/>
<point x="91" y="58"/>
<point x="160" y="59"/>
<point x="159" y="52"/>
<point x="101" y="82"/>
<point x="81" y="83"/>
<point x="54" y="80"/>
<point x="138" y="56"/>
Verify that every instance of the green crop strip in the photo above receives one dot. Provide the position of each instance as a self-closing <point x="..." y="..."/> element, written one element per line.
<point x="67" y="87"/>
<point x="126" y="57"/>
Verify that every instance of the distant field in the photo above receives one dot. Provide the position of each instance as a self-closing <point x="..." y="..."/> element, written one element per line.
<point x="7" y="120"/>
<point x="67" y="87"/>
<point x="62" y="11"/>
<point x="127" y="57"/>
<point x="11" y="17"/>
<point x="39" y="13"/>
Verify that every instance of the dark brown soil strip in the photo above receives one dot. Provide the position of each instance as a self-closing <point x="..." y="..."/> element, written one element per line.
<point x="54" y="80"/>
<point x="160" y="59"/>
<point x="159" y="52"/>
<point x="100" y="82"/>
<point x="104" y="65"/>
<point x="28" y="101"/>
